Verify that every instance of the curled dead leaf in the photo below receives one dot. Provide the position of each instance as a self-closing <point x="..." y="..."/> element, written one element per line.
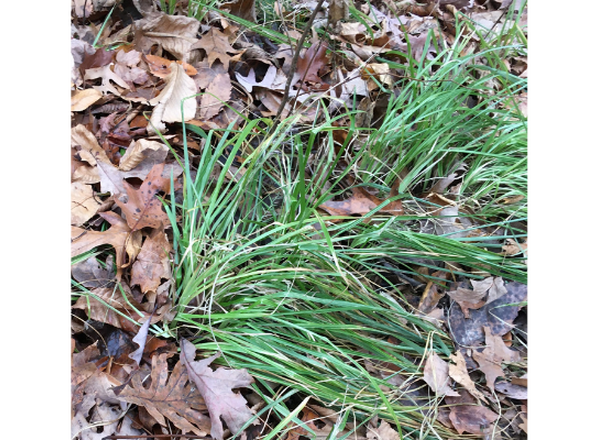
<point x="169" y="102"/>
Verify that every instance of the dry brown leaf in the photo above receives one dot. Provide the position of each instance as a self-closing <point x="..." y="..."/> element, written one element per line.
<point x="83" y="203"/>
<point x="217" y="389"/>
<point x="491" y="358"/>
<point x="472" y="419"/>
<point x="436" y="376"/>
<point x="458" y="372"/>
<point x="172" y="396"/>
<point x="360" y="203"/>
<point x="152" y="263"/>
<point x="126" y="67"/>
<point x="160" y="66"/>
<point x="384" y="432"/>
<point x="142" y="208"/>
<point x="216" y="96"/>
<point x="174" y="33"/>
<point x="168" y="103"/>
<point x="143" y="150"/>
<point x="242" y="8"/>
<point x="119" y="236"/>
<point x="108" y="77"/>
<point x="511" y="390"/>
<point x="82" y="99"/>
<point x="216" y="45"/>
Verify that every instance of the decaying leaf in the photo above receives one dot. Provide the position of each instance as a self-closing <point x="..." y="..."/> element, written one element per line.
<point x="143" y="150"/>
<point x="82" y="99"/>
<point x="173" y="397"/>
<point x="216" y="46"/>
<point x="511" y="390"/>
<point x="161" y="67"/>
<point x="152" y="263"/>
<point x="169" y="102"/>
<point x="383" y="432"/>
<point x="142" y="208"/>
<point x="83" y="203"/>
<point x="458" y="372"/>
<point x="217" y="389"/>
<point x="108" y="78"/>
<point x="436" y="375"/>
<point x="174" y="33"/>
<point x="472" y="419"/>
<point x="360" y="203"/>
<point x="140" y="339"/>
<point x="242" y="8"/>
<point x="217" y="94"/>
<point x="119" y="236"/>
<point x="498" y="315"/>
<point x="491" y="358"/>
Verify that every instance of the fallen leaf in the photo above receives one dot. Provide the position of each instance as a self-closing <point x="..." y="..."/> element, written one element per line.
<point x="83" y="203"/>
<point x="143" y="150"/>
<point x="435" y="374"/>
<point x="309" y="64"/>
<point x="498" y="315"/>
<point x="511" y="390"/>
<point x="172" y="396"/>
<point x="383" y="432"/>
<point x="217" y="389"/>
<point x="174" y="33"/>
<point x="126" y="67"/>
<point x="108" y="77"/>
<point x="242" y="8"/>
<point x="169" y="102"/>
<point x="491" y="358"/>
<point x="216" y="96"/>
<point x="119" y="236"/>
<point x="472" y="419"/>
<point x="216" y="46"/>
<point x="360" y="203"/>
<point x="309" y="417"/>
<point x="82" y="99"/>
<point x="140" y="339"/>
<point x="142" y="208"/>
<point x="458" y="372"/>
<point x="160" y="66"/>
<point x="89" y="273"/>
<point x="152" y="263"/>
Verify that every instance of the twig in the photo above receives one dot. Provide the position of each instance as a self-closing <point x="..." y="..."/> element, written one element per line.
<point x="299" y="47"/>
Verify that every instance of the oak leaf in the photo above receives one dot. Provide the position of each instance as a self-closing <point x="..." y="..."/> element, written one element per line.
<point x="119" y="236"/>
<point x="217" y="389"/>
<point x="83" y="204"/>
<point x="174" y="33"/>
<point x="216" y="45"/>
<point x="173" y="397"/>
<point x="458" y="372"/>
<point x="142" y="208"/>
<point x="491" y="358"/>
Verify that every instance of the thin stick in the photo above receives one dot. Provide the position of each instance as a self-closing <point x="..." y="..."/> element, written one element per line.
<point x="288" y="83"/>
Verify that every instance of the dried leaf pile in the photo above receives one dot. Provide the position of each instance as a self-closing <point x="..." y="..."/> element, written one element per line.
<point x="133" y="82"/>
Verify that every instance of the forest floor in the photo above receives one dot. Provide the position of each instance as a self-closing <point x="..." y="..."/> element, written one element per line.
<point x="325" y="203"/>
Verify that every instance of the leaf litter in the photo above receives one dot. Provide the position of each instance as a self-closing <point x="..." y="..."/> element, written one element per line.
<point x="120" y="173"/>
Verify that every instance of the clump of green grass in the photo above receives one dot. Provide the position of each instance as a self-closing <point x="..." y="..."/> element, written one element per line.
<point x="297" y="297"/>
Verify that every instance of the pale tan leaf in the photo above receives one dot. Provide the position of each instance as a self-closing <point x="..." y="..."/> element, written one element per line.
<point x="152" y="263"/>
<point x="82" y="99"/>
<point x="83" y="204"/>
<point x="108" y="77"/>
<point x="168" y="103"/>
<point x="384" y="432"/>
<point x="458" y="372"/>
<point x="143" y="150"/>
<point x="436" y="375"/>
